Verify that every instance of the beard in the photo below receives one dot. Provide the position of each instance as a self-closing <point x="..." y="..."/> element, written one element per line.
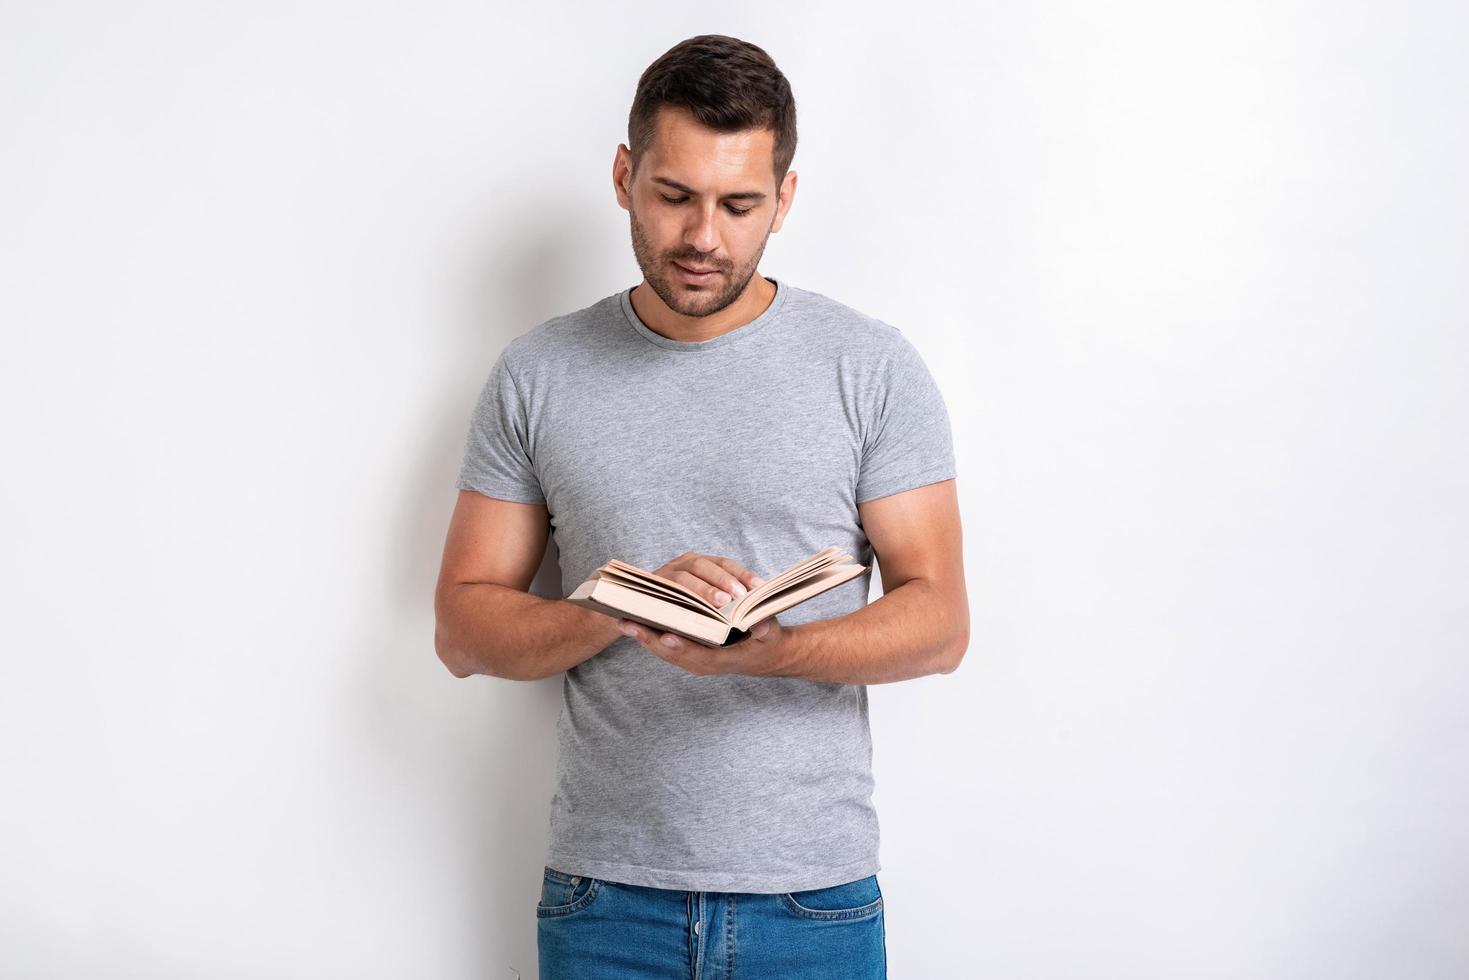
<point x="680" y="296"/>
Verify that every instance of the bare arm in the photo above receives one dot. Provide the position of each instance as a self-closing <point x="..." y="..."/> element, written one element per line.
<point x="920" y="625"/>
<point x="486" y="622"/>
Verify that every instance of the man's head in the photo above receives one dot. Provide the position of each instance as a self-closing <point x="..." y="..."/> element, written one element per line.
<point x="705" y="175"/>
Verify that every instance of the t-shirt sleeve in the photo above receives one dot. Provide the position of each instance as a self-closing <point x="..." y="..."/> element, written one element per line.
<point x="907" y="441"/>
<point x="497" y="459"/>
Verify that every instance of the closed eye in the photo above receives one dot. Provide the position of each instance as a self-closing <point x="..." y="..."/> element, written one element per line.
<point x="680" y="200"/>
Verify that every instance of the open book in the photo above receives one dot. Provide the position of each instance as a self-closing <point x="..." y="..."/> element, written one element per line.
<point x="627" y="592"/>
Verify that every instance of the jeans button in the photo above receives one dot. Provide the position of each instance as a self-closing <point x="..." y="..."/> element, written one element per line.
<point x="696" y="928"/>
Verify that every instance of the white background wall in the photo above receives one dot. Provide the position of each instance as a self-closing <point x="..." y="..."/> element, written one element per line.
<point x="1191" y="278"/>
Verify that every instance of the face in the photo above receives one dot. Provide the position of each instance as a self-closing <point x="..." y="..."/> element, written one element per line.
<point x="701" y="200"/>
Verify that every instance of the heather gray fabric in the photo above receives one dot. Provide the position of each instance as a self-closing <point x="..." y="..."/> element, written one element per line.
<point x="756" y="445"/>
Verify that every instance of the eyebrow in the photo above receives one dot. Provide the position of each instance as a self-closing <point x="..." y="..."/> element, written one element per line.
<point x="737" y="195"/>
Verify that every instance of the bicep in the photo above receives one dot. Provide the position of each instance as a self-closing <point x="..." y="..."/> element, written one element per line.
<point x="916" y="534"/>
<point x="494" y="541"/>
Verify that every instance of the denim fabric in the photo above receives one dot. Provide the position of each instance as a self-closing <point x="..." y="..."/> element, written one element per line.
<point x="591" y="929"/>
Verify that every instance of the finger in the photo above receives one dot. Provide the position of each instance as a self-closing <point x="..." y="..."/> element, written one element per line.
<point x="745" y="576"/>
<point x="742" y="575"/>
<point x="669" y="641"/>
<point x="699" y="581"/>
<point x="722" y="572"/>
<point x="732" y="577"/>
<point x="697" y="585"/>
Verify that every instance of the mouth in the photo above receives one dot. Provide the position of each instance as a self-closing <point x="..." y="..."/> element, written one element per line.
<point x="696" y="275"/>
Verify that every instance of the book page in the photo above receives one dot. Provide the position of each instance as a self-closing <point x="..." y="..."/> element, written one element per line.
<point x="654" y="584"/>
<point x="797" y="592"/>
<point x="682" y="590"/>
<point x="800" y="570"/>
<point x="656" y="591"/>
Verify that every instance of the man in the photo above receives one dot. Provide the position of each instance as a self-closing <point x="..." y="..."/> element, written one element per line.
<point x="712" y="813"/>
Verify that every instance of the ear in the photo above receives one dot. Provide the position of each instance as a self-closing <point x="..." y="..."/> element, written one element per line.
<point x="622" y="176"/>
<point x="786" y="196"/>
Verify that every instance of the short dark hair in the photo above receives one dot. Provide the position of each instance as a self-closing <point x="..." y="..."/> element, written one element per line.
<point x="728" y="84"/>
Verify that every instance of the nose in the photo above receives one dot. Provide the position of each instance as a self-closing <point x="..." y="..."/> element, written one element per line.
<point x="701" y="234"/>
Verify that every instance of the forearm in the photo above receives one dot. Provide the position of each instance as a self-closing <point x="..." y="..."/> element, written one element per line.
<point x="908" y="632"/>
<point x="503" y="632"/>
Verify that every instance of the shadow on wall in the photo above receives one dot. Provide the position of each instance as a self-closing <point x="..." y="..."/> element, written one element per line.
<point x="475" y="757"/>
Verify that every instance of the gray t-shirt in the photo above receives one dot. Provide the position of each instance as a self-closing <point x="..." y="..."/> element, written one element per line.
<point x="756" y="445"/>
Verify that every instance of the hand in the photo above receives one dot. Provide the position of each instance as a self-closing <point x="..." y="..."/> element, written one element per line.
<point x="761" y="654"/>
<point x="711" y="577"/>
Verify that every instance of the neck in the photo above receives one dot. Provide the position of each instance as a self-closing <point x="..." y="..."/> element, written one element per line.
<point x="659" y="318"/>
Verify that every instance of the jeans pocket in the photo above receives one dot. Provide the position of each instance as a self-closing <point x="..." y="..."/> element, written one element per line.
<point x="563" y="894"/>
<point x="860" y="899"/>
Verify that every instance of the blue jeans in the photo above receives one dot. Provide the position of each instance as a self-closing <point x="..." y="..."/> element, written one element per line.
<point x="591" y="929"/>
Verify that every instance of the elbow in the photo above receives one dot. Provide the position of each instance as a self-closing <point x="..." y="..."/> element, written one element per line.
<point x="461" y="661"/>
<point x="953" y="653"/>
<point x="455" y="654"/>
<point x="449" y="654"/>
<point x="951" y="609"/>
